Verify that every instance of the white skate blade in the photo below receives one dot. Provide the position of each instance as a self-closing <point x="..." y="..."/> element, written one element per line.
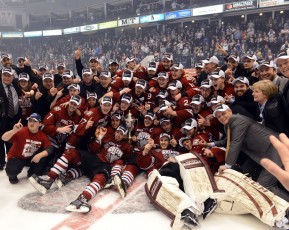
<point x="117" y="182"/>
<point x="72" y="208"/>
<point x="37" y="186"/>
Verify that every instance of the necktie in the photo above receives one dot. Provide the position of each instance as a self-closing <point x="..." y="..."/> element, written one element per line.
<point x="228" y="141"/>
<point x="11" y="104"/>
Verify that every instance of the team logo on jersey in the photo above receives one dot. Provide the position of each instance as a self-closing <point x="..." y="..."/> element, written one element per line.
<point x="114" y="153"/>
<point x="169" y="153"/>
<point x="88" y="113"/>
<point x="57" y="108"/>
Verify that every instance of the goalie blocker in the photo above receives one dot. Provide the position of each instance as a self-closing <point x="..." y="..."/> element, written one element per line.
<point x="240" y="195"/>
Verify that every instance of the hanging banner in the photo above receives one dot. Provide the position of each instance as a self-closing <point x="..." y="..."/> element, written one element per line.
<point x="178" y="14"/>
<point x="91" y="27"/>
<point x="71" y="30"/>
<point x="33" y="34"/>
<point x="107" y="25"/>
<point x="208" y="10"/>
<point x="128" y="21"/>
<point x="243" y="5"/>
<point x="152" y="18"/>
<point x="268" y="3"/>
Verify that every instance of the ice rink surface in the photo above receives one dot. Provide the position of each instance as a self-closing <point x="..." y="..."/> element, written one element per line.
<point x="22" y="207"/>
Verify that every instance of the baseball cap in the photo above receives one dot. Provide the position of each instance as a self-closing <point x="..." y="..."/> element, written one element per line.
<point x="197" y="99"/>
<point x="206" y="84"/>
<point x="126" y="97"/>
<point x="23" y="76"/>
<point x="141" y="83"/>
<point x="167" y="56"/>
<point x="48" y="76"/>
<point x="199" y="65"/>
<point x="268" y="64"/>
<point x="177" y="66"/>
<point x="105" y="73"/>
<point x="93" y="58"/>
<point x="163" y="94"/>
<point x="111" y="62"/>
<point x="164" y="119"/>
<point x="175" y="85"/>
<point x="123" y="129"/>
<point x="35" y="116"/>
<point x="234" y="57"/>
<point x="61" y="65"/>
<point x="217" y="99"/>
<point x="163" y="74"/>
<point x="74" y="86"/>
<point x="164" y="105"/>
<point x="284" y="54"/>
<point x="127" y="75"/>
<point x="152" y="66"/>
<point x="106" y="99"/>
<point x="151" y="115"/>
<point x="67" y="73"/>
<point x="217" y="74"/>
<point x="165" y="135"/>
<point x="91" y="95"/>
<point x="212" y="59"/>
<point x="76" y="99"/>
<point x="5" y="56"/>
<point x="250" y="56"/>
<point x="118" y="114"/>
<point x="129" y="59"/>
<point x="21" y="58"/>
<point x="181" y="141"/>
<point x="241" y="79"/>
<point x="7" y="70"/>
<point x="43" y="67"/>
<point x="86" y="71"/>
<point x="220" y="108"/>
<point x="189" y="124"/>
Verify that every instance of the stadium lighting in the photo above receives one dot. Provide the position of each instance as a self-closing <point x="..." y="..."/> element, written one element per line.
<point x="139" y="28"/>
<point x="193" y="21"/>
<point x="242" y="16"/>
<point x="186" y="26"/>
<point x="138" y="14"/>
<point x="281" y="12"/>
<point x="261" y="14"/>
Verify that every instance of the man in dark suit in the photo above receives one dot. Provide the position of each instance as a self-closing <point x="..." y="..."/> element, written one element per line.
<point x="9" y="108"/>
<point x="248" y="138"/>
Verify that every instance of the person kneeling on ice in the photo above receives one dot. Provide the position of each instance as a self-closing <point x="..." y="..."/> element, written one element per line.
<point x="30" y="148"/>
<point x="104" y="160"/>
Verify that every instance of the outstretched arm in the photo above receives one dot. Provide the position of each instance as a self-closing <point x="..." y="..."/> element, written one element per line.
<point x="282" y="146"/>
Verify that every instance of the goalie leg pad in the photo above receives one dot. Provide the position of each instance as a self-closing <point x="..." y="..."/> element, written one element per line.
<point x="250" y="197"/>
<point x="167" y="197"/>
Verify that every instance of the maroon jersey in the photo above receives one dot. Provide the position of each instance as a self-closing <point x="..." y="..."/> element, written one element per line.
<point x="26" y="144"/>
<point x="118" y="85"/>
<point x="111" y="151"/>
<point x="228" y="90"/>
<point x="62" y="100"/>
<point x="25" y="105"/>
<point x="58" y="117"/>
<point x="95" y="115"/>
<point x="155" y="159"/>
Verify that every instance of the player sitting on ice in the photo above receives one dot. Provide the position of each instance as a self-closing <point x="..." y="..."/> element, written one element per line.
<point x="105" y="159"/>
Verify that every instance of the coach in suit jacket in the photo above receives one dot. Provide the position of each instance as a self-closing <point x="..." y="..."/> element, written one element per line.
<point x="6" y="122"/>
<point x="248" y="137"/>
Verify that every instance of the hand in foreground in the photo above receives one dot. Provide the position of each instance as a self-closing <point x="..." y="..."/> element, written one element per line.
<point x="282" y="146"/>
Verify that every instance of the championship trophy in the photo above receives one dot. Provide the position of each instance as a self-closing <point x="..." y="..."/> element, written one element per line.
<point x="130" y="122"/>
